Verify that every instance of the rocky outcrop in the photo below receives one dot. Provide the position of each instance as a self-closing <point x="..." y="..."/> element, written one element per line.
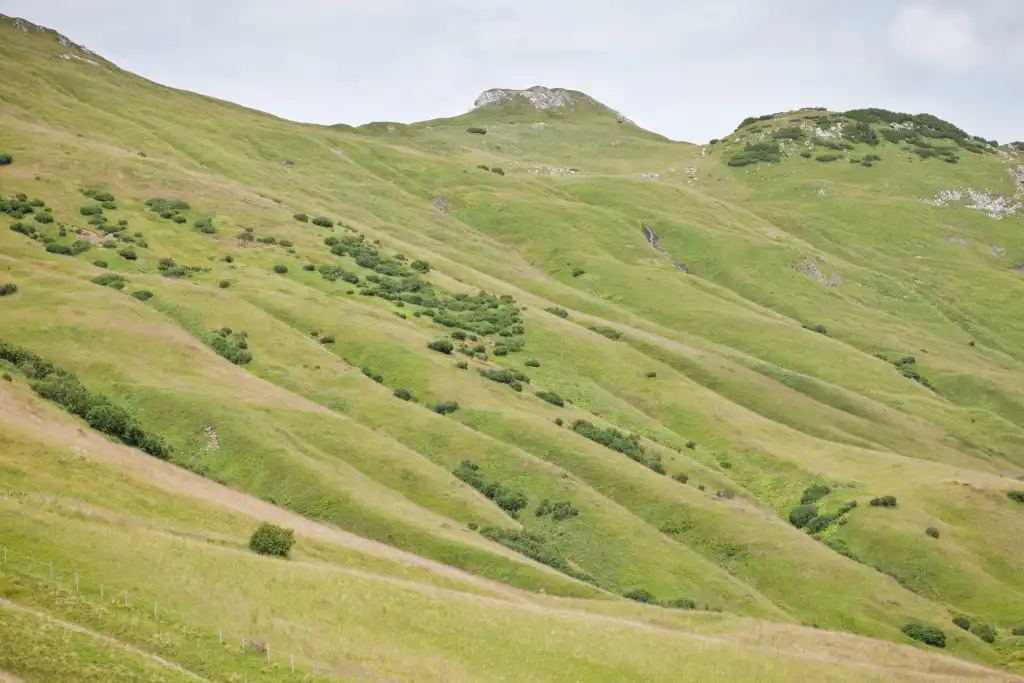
<point x="655" y="241"/>
<point x="539" y="96"/>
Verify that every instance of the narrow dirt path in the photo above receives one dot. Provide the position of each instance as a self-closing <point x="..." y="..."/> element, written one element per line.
<point x="6" y="677"/>
<point x="114" y="642"/>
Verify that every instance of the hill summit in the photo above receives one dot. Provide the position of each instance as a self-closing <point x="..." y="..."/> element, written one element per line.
<point x="538" y="96"/>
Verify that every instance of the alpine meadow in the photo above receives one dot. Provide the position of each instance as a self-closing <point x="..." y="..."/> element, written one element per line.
<point x="525" y="394"/>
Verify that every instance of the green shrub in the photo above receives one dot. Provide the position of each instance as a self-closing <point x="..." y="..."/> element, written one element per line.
<point x="403" y="394"/>
<point x="232" y="347"/>
<point x="639" y="595"/>
<point x="609" y="332"/>
<point x="477" y="131"/>
<point x="551" y="397"/>
<point x="650" y="374"/>
<point x="657" y="467"/>
<point x="310" y="267"/>
<point x="44" y="218"/>
<point x="806" y="154"/>
<point x="681" y="603"/>
<point x="818" y="524"/>
<point x="98" y="195"/>
<point x="681" y="477"/>
<point x="90" y="210"/>
<point x="576" y="272"/>
<point x="560" y="312"/>
<point x="532" y="363"/>
<point x="462" y="365"/>
<point x="497" y="171"/>
<point x="110" y="280"/>
<point x="559" y="510"/>
<point x="483" y="167"/>
<point x="932" y="531"/>
<point x="559" y="422"/>
<point x="109" y="206"/>
<point x="827" y="158"/>
<point x="8" y="288"/>
<point x="929" y="635"/>
<point x="962" y="622"/>
<point x="446" y="407"/>
<point x="509" y="500"/>
<point x="270" y="539"/>
<point x="755" y="152"/>
<point x="143" y="295"/>
<point x="441" y="346"/>
<point x="205" y="225"/>
<point x="801" y="515"/>
<point x="789" y="133"/>
<point x="128" y="254"/>
<point x="323" y="222"/>
<point x="6" y="159"/>
<point x="1017" y="496"/>
<point x="984" y="631"/>
<point x="280" y="269"/>
<point x="612" y="438"/>
<point x="327" y="339"/>
<point x="861" y="131"/>
<point x="421" y="266"/>
<point x="223" y="284"/>
<point x="534" y="546"/>
<point x="813" y="494"/>
<point x="884" y="502"/>
<point x="301" y="217"/>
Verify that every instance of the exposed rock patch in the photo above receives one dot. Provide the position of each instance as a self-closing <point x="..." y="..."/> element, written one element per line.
<point x="212" y="441"/>
<point x="655" y="241"/>
<point x="441" y="204"/>
<point x="997" y="251"/>
<point x="953" y="239"/>
<point x="811" y="269"/>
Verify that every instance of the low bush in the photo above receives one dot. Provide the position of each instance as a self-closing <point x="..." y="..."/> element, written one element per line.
<point x="532" y="363"/>
<point x="98" y="195"/>
<point x="90" y="210"/>
<point x="462" y="365"/>
<point x="375" y="376"/>
<point x="1017" y="496"/>
<point x="327" y="339"/>
<point x="497" y="171"/>
<point x="441" y="346"/>
<point x="789" y="133"/>
<point x="205" y="225"/>
<point x="6" y="159"/>
<point x="323" y="222"/>
<point x="476" y="130"/>
<point x="932" y="531"/>
<point x="884" y="502"/>
<point x="301" y="217"/>
<point x="805" y="154"/>
<point x="560" y="312"/>
<point x="929" y="635"/>
<point x="639" y="595"/>
<point x="512" y="501"/>
<point x="224" y="284"/>
<point x="1019" y="630"/>
<point x="403" y="394"/>
<point x="984" y="631"/>
<point x="801" y="515"/>
<point x="536" y="547"/>
<point x="8" y="288"/>
<point x="658" y="468"/>
<point x="819" y="524"/>
<point x="272" y="540"/>
<point x="650" y="374"/>
<point x="681" y="603"/>
<point x="483" y="167"/>
<point x="445" y="407"/>
<point x="232" y="346"/>
<point x="310" y="267"/>
<point x="128" y="254"/>
<point x="143" y="295"/>
<point x="559" y="422"/>
<point x="552" y="398"/>
<point x="962" y="622"/>
<point x="826" y="158"/>
<point x="757" y="152"/>
<point x="612" y="438"/>
<point x="421" y="266"/>
<point x="812" y="494"/>
<point x="558" y="510"/>
<point x="280" y="269"/>
<point x="609" y="332"/>
<point x="44" y="217"/>
<point x="110" y="280"/>
<point x="576" y="272"/>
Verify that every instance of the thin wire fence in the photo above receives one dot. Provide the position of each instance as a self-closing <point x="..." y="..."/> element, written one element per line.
<point x="108" y="593"/>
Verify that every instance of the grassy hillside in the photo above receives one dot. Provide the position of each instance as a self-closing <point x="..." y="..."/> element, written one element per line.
<point x="497" y="381"/>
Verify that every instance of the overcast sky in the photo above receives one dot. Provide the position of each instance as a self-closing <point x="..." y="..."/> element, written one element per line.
<point x="688" y="69"/>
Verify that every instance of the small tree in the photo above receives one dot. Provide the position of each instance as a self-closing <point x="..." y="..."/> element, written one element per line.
<point x="270" y="539"/>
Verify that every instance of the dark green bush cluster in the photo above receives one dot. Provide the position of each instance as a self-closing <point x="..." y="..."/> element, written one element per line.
<point x="375" y="376"/>
<point x="929" y="635"/>
<point x="884" y="502"/>
<point x="101" y="196"/>
<point x="63" y="388"/>
<point x="6" y="159"/>
<point x="925" y="127"/>
<point x="143" y="295"/>
<point x="627" y="444"/>
<point x="801" y="515"/>
<point x="205" y="225"/>
<point x="932" y="531"/>
<point x="861" y="131"/>
<point x="403" y="394"/>
<point x="532" y="363"/>
<point x="301" y="217"/>
<point x="789" y="133"/>
<point x="641" y="595"/>
<point x="551" y="397"/>
<point x="497" y="171"/>
<point x="509" y="376"/>
<point x="962" y="622"/>
<point x="908" y="368"/>
<point x="560" y="312"/>
<point x="512" y="501"/>
<point x="169" y="209"/>
<point x="19" y="206"/>
<point x="755" y="119"/>
<point x="757" y="152"/>
<point x="441" y="346"/>
<point x="74" y="249"/>
<point x="476" y="130"/>
<point x="233" y="346"/>
<point x="536" y="547"/>
<point x="335" y="273"/>
<point x="280" y="268"/>
<point x="681" y="477"/>
<point x="272" y="540"/>
<point x="609" y="332"/>
<point x="1017" y="496"/>
<point x="445" y="407"/>
<point x="984" y="631"/>
<point x="112" y="280"/>
<point x="558" y="510"/>
<point x="323" y="222"/>
<point x="812" y="494"/>
<point x="8" y="288"/>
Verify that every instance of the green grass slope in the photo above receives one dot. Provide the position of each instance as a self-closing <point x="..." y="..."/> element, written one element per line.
<point x="735" y="322"/>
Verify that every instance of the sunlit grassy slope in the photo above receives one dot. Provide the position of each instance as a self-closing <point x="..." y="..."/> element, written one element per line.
<point x="717" y="371"/>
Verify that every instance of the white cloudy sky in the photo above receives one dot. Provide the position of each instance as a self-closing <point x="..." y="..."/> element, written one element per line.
<point x="690" y="70"/>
